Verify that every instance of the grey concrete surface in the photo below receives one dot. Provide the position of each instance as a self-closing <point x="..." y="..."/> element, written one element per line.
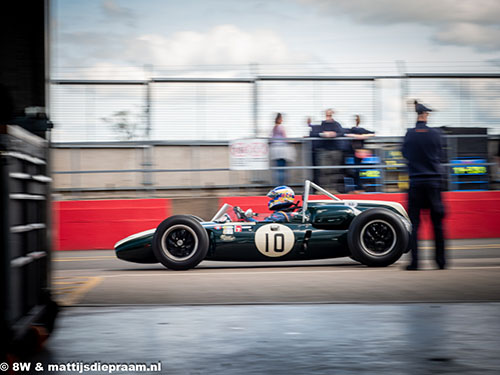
<point x="319" y="317"/>
<point x="98" y="278"/>
<point x="284" y="339"/>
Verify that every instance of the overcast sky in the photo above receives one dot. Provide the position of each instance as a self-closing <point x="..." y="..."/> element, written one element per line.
<point x="195" y="32"/>
<point x="282" y="36"/>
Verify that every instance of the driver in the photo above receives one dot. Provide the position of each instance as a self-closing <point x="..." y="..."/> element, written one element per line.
<point x="282" y="203"/>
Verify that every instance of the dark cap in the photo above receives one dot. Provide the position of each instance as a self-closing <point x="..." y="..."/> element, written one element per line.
<point x="420" y="108"/>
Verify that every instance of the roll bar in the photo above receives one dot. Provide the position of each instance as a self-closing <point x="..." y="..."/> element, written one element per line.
<point x="307" y="187"/>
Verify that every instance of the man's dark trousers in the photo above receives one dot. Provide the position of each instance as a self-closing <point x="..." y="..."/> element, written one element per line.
<point x="423" y="195"/>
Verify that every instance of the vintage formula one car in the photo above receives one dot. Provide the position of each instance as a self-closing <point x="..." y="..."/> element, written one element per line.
<point x="374" y="233"/>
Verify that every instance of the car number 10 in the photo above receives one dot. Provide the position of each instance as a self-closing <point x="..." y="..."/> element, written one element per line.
<point x="274" y="240"/>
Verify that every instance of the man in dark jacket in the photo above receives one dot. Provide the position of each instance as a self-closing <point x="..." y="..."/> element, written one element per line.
<point x="333" y="152"/>
<point x="422" y="147"/>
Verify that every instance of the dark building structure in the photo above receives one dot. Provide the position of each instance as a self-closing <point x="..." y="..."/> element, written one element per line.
<point x="27" y="311"/>
<point x="24" y="63"/>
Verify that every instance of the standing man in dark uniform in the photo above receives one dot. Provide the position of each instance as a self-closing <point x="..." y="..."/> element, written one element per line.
<point x="422" y="147"/>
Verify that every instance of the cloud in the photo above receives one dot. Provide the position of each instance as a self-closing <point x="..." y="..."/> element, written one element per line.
<point x="482" y="37"/>
<point x="223" y="44"/>
<point x="423" y="11"/>
<point x="119" y="13"/>
<point x="450" y="20"/>
<point x="101" y="44"/>
<point x="85" y="48"/>
<point x="222" y="51"/>
<point x="103" y="70"/>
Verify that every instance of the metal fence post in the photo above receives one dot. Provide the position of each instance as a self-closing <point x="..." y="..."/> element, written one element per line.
<point x="75" y="166"/>
<point x="404" y="91"/>
<point x="254" y="70"/>
<point x="147" y="164"/>
<point x="195" y="164"/>
<point x="147" y="110"/>
<point x="256" y="108"/>
<point x="452" y="154"/>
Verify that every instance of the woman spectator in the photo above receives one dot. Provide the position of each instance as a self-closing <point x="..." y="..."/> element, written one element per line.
<point x="281" y="151"/>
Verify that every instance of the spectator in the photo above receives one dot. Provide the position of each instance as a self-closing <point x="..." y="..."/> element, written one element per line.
<point x="357" y="150"/>
<point x="332" y="154"/>
<point x="281" y="151"/>
<point x="422" y="147"/>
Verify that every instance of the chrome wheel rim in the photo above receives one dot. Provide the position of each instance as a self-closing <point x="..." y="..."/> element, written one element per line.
<point x="378" y="238"/>
<point x="179" y="242"/>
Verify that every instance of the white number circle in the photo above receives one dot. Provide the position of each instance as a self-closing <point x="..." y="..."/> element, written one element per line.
<point x="274" y="240"/>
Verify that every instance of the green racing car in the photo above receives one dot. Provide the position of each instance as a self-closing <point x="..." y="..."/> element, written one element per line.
<point x="374" y="233"/>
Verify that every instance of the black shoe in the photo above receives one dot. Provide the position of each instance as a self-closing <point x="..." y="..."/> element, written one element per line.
<point x="442" y="266"/>
<point x="411" y="267"/>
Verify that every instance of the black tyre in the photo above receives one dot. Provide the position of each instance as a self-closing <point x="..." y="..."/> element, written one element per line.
<point x="377" y="238"/>
<point x="180" y="242"/>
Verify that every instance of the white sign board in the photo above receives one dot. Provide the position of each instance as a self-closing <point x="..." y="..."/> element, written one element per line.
<point x="249" y="154"/>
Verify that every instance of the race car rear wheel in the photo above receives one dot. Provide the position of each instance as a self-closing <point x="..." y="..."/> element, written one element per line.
<point x="377" y="238"/>
<point x="180" y="242"/>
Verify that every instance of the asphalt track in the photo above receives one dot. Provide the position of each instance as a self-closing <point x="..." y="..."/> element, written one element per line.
<point x="319" y="317"/>
<point x="97" y="278"/>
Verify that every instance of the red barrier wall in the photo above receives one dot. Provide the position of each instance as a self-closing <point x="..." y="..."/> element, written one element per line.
<point x="88" y="225"/>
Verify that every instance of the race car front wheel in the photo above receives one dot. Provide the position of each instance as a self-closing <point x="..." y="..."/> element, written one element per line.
<point x="377" y="238"/>
<point x="180" y="242"/>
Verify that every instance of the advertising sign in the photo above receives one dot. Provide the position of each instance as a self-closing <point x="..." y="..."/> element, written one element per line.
<point x="249" y="154"/>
